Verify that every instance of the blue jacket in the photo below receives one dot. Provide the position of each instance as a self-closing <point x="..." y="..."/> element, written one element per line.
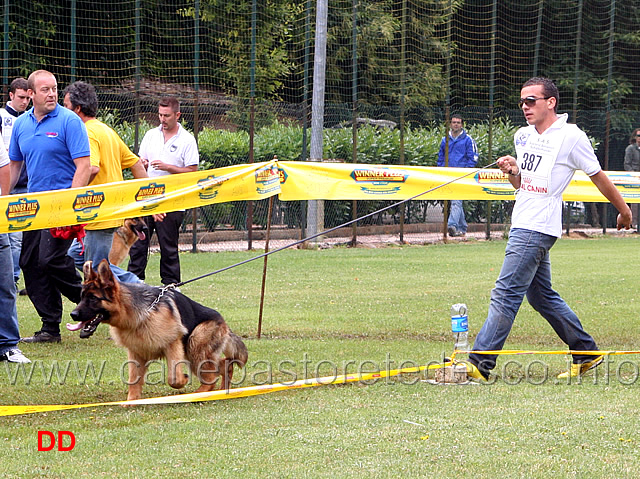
<point x="463" y="152"/>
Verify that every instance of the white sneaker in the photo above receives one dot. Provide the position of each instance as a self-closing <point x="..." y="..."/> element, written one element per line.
<point x="14" y="356"/>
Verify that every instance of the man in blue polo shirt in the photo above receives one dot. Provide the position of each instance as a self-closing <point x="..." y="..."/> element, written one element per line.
<point x="53" y="144"/>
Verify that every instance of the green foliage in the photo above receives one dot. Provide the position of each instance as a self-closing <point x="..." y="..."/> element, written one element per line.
<point x="419" y="152"/>
<point x="281" y="140"/>
<point x="375" y="146"/>
<point x="216" y="214"/>
<point x="239" y="114"/>
<point x="380" y="44"/>
<point x="502" y="139"/>
<point x="220" y="148"/>
<point x="126" y="130"/>
<point x="231" y="22"/>
<point x="44" y="28"/>
<point x="447" y="46"/>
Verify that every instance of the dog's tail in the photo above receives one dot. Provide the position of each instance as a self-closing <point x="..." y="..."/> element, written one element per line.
<point x="235" y="350"/>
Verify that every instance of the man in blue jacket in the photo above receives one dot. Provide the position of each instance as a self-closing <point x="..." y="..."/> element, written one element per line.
<point x="463" y="153"/>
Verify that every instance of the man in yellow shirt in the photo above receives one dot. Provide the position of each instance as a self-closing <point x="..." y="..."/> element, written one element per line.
<point x="109" y="157"/>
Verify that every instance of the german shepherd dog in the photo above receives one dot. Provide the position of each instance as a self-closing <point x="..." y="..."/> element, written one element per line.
<point x="124" y="237"/>
<point x="151" y="325"/>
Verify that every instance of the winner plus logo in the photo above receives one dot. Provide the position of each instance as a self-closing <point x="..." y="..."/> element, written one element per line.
<point x="20" y="212"/>
<point x="86" y="205"/>
<point x="267" y="180"/>
<point x="494" y="182"/>
<point x="379" y="181"/>
<point x="150" y="195"/>
<point x="209" y="187"/>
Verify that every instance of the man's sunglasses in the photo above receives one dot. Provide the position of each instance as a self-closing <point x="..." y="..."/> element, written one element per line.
<point x="531" y="100"/>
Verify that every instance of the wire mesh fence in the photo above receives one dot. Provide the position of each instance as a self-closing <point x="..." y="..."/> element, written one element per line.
<point x="395" y="72"/>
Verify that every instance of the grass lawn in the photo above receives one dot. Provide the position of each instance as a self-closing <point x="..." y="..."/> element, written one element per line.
<point x="334" y="311"/>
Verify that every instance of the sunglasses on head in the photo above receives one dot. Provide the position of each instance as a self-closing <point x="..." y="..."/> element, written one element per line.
<point x="531" y="100"/>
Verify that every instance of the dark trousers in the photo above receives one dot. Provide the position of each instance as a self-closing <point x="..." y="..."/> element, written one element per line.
<point x="48" y="274"/>
<point x="168" y="231"/>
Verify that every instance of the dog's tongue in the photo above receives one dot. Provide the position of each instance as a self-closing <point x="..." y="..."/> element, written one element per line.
<point x="141" y="235"/>
<point x="76" y="326"/>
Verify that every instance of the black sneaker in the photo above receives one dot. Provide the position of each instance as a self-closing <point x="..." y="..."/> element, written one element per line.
<point x="42" y="337"/>
<point x="22" y="292"/>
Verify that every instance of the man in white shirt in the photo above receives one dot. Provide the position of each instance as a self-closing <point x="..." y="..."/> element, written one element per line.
<point x="166" y="150"/>
<point x="549" y="151"/>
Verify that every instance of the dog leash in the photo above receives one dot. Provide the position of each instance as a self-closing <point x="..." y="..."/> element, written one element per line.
<point x="308" y="238"/>
<point x="163" y="290"/>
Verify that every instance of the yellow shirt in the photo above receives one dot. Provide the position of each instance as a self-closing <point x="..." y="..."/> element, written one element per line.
<point x="111" y="155"/>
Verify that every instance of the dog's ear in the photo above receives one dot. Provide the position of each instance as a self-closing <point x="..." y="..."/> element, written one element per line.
<point x="105" y="274"/>
<point x="89" y="273"/>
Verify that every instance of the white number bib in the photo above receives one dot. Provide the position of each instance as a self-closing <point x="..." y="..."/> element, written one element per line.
<point x="536" y="156"/>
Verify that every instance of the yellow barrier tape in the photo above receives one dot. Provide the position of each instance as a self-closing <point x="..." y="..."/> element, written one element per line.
<point x="271" y="388"/>
<point x="567" y="352"/>
<point x="349" y="181"/>
<point x="344" y="181"/>
<point x="291" y="180"/>
<point x="225" y="393"/>
<point x="139" y="197"/>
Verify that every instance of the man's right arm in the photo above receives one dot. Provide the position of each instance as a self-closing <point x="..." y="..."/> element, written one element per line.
<point x="138" y="170"/>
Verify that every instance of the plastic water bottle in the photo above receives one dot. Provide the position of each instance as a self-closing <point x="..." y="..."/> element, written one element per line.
<point x="460" y="326"/>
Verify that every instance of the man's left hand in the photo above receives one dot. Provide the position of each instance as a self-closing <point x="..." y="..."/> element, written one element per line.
<point x="160" y="165"/>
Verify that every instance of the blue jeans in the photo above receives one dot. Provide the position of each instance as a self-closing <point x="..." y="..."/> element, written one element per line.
<point x="527" y="270"/>
<point x="456" y="216"/>
<point x="9" y="334"/>
<point x="97" y="244"/>
<point x="15" y="241"/>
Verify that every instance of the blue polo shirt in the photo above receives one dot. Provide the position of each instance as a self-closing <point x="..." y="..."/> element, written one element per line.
<point x="48" y="147"/>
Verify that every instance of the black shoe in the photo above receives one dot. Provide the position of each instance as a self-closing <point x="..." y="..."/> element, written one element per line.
<point x="451" y="230"/>
<point x="42" y="337"/>
<point x="23" y="292"/>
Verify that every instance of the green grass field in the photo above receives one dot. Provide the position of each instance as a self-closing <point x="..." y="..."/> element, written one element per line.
<point x="342" y="309"/>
